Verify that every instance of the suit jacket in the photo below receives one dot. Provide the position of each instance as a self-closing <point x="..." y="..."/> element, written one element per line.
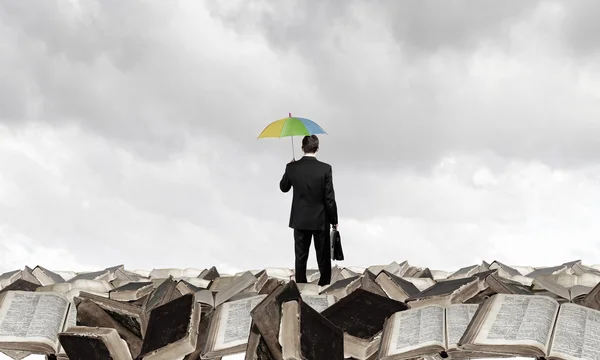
<point x="313" y="202"/>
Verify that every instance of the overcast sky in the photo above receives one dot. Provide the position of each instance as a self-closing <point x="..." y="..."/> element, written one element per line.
<point x="458" y="131"/>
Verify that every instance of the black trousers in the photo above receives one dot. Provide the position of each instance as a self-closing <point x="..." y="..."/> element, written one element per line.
<point x="302" y="240"/>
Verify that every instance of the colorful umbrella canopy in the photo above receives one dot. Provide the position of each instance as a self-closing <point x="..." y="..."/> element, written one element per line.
<point x="291" y="126"/>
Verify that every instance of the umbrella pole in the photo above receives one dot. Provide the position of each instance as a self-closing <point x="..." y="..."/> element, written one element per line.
<point x="293" y="153"/>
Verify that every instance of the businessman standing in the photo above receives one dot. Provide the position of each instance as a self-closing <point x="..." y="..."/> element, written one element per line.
<point x="314" y="208"/>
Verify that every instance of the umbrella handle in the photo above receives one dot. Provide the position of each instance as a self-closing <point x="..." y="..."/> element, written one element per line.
<point x="293" y="153"/>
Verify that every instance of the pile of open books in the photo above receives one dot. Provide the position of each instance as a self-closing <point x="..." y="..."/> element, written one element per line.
<point x="394" y="311"/>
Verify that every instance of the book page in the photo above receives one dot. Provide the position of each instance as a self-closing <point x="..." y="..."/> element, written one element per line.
<point x="421" y="283"/>
<point x="458" y="317"/>
<point x="99" y="286"/>
<point x="31" y="316"/>
<point x="318" y="302"/>
<point x="236" y="286"/>
<point x="70" y="321"/>
<point x="235" y="322"/>
<point x="203" y="283"/>
<point x="588" y="279"/>
<point x="577" y="333"/>
<point x="579" y="291"/>
<point x="15" y="354"/>
<point x="205" y="297"/>
<point x="415" y="328"/>
<point x="391" y="289"/>
<point x="553" y="287"/>
<point x="519" y="320"/>
<point x="58" y="288"/>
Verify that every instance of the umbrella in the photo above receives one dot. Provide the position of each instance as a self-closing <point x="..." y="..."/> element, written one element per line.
<point x="291" y="126"/>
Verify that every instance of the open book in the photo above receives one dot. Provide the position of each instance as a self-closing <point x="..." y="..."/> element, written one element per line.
<point x="172" y="330"/>
<point x="318" y="302"/>
<point x="91" y="343"/>
<point x="128" y="314"/>
<point x="361" y="315"/>
<point x="534" y="326"/>
<point x="31" y="321"/>
<point x="230" y="327"/>
<point x="75" y="287"/>
<point x="427" y="330"/>
<point x="307" y="335"/>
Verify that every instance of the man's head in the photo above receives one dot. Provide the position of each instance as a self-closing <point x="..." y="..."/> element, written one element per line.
<point x="310" y="144"/>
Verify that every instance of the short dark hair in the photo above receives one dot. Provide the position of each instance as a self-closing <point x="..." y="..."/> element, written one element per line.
<point x="310" y="144"/>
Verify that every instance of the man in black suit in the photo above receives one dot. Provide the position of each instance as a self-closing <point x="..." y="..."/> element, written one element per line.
<point x="313" y="208"/>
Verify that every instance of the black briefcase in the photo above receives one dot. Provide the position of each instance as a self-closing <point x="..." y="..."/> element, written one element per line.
<point x="336" y="246"/>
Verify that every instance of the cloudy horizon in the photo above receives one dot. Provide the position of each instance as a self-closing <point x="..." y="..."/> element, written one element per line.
<point x="457" y="131"/>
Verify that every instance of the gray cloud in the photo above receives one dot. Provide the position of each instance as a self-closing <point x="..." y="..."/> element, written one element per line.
<point x="431" y="26"/>
<point x="132" y="125"/>
<point x="74" y="191"/>
<point x="581" y="30"/>
<point x="407" y="73"/>
<point x="84" y="201"/>
<point x="420" y="26"/>
<point x="149" y="80"/>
